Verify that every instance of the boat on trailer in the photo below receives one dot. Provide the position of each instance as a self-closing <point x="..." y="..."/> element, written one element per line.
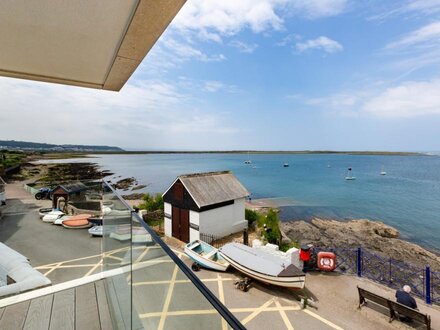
<point x="263" y="266"/>
<point x="206" y="256"/>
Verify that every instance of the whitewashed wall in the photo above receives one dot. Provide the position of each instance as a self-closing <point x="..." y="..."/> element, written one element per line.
<point x="167" y="221"/>
<point x="194" y="219"/>
<point x="224" y="220"/>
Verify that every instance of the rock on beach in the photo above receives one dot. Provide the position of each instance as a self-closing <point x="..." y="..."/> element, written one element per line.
<point x="375" y="236"/>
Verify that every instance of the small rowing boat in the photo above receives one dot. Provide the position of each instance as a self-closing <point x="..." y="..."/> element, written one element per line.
<point x="263" y="266"/>
<point x="206" y="255"/>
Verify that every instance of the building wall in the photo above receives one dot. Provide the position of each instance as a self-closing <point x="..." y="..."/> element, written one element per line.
<point x="167" y="219"/>
<point x="224" y="220"/>
<point x="194" y="224"/>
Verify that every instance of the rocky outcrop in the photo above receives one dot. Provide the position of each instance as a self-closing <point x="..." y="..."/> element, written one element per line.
<point x="375" y="236"/>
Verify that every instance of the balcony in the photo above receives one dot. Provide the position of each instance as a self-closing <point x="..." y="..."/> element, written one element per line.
<point x="133" y="280"/>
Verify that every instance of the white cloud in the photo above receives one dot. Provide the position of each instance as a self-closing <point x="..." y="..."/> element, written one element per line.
<point x="186" y="51"/>
<point x="410" y="99"/>
<point x="406" y="100"/>
<point x="425" y="6"/>
<point x="407" y="9"/>
<point x="426" y="36"/>
<point x="318" y="8"/>
<point x="326" y="44"/>
<point x="143" y="114"/>
<point x="244" y="47"/>
<point x="228" y="17"/>
<point x="212" y="86"/>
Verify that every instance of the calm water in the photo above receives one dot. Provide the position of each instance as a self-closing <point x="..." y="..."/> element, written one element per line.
<point x="408" y="197"/>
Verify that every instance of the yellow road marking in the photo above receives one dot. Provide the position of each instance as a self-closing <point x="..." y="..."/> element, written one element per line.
<point x="284" y="316"/>
<point x="214" y="311"/>
<point x="168" y="299"/>
<point x="65" y="266"/>
<point x="221" y="297"/>
<point x="181" y="281"/>
<point x="179" y="313"/>
<point x="142" y="255"/>
<point x="268" y="309"/>
<point x="316" y="316"/>
<point x="93" y="268"/>
<point x="53" y="268"/>
<point x="257" y="311"/>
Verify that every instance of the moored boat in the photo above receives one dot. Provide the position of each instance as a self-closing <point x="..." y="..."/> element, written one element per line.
<point x="263" y="266"/>
<point x="206" y="255"/>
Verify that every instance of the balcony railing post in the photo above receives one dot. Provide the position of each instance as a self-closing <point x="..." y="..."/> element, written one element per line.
<point x="359" y="262"/>
<point x="428" y="285"/>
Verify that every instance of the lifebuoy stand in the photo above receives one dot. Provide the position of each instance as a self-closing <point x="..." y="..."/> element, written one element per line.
<point x="326" y="261"/>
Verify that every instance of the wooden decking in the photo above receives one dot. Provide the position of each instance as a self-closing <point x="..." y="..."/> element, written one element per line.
<point x="83" y="307"/>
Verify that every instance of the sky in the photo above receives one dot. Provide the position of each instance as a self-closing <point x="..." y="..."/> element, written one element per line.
<point x="258" y="75"/>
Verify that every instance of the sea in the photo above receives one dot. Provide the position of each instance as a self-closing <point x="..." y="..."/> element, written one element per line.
<point x="313" y="185"/>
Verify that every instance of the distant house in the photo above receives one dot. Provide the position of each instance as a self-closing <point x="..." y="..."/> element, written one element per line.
<point x="209" y="203"/>
<point x="70" y="192"/>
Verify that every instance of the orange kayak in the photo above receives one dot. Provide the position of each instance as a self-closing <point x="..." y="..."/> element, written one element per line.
<point x="77" y="221"/>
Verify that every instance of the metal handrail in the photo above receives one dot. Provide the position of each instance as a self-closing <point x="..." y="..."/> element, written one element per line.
<point x="213" y="300"/>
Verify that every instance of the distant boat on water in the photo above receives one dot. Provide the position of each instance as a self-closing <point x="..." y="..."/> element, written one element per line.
<point x="286" y="165"/>
<point x="349" y="175"/>
<point x="248" y="161"/>
<point x="382" y="172"/>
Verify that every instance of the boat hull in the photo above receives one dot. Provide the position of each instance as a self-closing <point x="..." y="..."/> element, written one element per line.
<point x="205" y="262"/>
<point x="297" y="282"/>
<point x="263" y="266"/>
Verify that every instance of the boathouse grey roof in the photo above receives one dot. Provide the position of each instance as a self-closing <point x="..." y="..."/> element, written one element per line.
<point x="72" y="188"/>
<point x="212" y="187"/>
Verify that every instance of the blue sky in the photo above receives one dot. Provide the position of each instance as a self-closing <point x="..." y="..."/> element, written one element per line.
<point x="263" y="75"/>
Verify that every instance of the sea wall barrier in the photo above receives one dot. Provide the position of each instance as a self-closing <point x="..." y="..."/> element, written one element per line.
<point x="29" y="187"/>
<point x="361" y="262"/>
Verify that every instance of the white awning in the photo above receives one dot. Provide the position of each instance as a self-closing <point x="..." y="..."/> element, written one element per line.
<point x="89" y="43"/>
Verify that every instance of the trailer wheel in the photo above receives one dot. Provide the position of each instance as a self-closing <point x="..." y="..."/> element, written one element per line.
<point x="38" y="195"/>
<point x="242" y="286"/>
<point x="195" y="267"/>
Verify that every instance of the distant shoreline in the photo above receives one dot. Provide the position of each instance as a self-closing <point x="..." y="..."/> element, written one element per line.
<point x="299" y="152"/>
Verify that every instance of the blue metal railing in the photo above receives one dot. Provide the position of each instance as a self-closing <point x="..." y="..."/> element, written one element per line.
<point x="392" y="273"/>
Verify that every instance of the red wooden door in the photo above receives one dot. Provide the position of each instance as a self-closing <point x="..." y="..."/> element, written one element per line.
<point x="175" y="222"/>
<point x="180" y="224"/>
<point x="184" y="225"/>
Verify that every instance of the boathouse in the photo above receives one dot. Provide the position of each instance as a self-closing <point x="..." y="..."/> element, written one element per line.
<point x="209" y="203"/>
<point x="70" y="192"/>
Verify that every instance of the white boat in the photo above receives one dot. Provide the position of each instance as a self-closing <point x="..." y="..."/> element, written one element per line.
<point x="286" y="165"/>
<point x="206" y="255"/>
<point x="96" y="231"/>
<point x="382" y="172"/>
<point x="60" y="219"/>
<point x="248" y="161"/>
<point x="349" y="175"/>
<point x="263" y="266"/>
<point x="52" y="216"/>
<point x="42" y="212"/>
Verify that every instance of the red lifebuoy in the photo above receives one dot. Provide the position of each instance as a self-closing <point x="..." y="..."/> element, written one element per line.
<point x="326" y="261"/>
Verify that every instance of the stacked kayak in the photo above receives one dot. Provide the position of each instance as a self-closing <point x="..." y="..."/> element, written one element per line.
<point x="77" y="221"/>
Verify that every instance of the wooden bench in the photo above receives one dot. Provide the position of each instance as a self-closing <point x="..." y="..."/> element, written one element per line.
<point x="394" y="308"/>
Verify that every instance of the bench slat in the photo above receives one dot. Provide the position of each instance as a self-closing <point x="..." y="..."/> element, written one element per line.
<point x="393" y="307"/>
